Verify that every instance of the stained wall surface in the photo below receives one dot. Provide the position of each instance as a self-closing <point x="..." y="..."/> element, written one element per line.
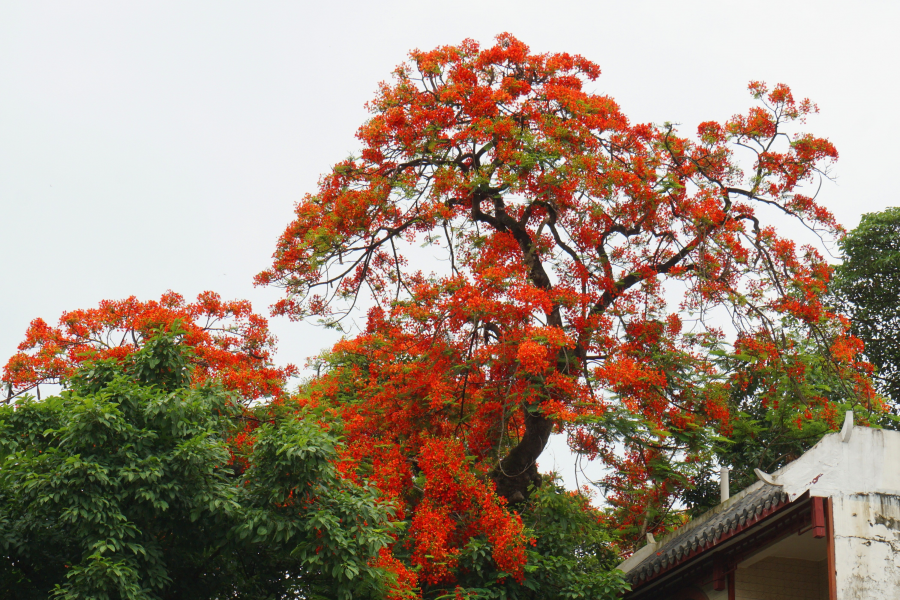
<point x="860" y="472"/>
<point x="867" y="546"/>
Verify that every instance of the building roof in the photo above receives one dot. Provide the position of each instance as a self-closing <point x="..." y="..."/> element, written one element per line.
<point x="727" y="519"/>
<point x="855" y="465"/>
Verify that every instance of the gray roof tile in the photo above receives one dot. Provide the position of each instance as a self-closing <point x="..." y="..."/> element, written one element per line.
<point x="709" y="529"/>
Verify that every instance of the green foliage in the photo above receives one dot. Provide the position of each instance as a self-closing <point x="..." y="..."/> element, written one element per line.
<point x="291" y="468"/>
<point x="866" y="287"/>
<point x="124" y="486"/>
<point x="573" y="556"/>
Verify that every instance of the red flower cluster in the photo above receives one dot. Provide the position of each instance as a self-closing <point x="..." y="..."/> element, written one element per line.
<point x="229" y="341"/>
<point x="457" y="506"/>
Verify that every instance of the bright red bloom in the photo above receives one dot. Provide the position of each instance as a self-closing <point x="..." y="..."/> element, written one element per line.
<point x="229" y="341"/>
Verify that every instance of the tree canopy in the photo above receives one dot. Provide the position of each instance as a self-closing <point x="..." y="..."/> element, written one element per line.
<point x="587" y="274"/>
<point x="130" y="485"/>
<point x="230" y="342"/>
<point x="866" y="286"/>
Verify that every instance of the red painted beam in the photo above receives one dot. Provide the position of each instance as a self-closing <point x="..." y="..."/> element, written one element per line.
<point x="818" y="517"/>
<point x="719" y="575"/>
<point x="832" y="565"/>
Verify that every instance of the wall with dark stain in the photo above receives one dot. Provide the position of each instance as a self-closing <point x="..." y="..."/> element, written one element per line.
<point x="867" y="546"/>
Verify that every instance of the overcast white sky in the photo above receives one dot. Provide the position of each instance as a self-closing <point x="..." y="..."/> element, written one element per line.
<point x="154" y="146"/>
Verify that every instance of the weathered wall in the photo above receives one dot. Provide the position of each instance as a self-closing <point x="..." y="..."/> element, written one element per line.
<point x="776" y="578"/>
<point x="862" y="476"/>
<point x="867" y="546"/>
<point x="860" y="472"/>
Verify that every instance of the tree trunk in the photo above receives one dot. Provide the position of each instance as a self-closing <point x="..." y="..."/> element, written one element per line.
<point x="518" y="470"/>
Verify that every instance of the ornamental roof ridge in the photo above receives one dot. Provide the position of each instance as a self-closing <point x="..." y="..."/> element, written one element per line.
<point x="753" y="503"/>
<point x="692" y="524"/>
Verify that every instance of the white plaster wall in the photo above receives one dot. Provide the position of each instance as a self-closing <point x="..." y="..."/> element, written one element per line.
<point x="868" y="462"/>
<point x="867" y="546"/>
<point x="862" y="476"/>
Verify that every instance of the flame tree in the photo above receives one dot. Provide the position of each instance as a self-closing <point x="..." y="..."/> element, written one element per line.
<point x="586" y="274"/>
<point x="228" y="340"/>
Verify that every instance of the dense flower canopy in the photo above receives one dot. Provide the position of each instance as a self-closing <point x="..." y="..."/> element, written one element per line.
<point x="230" y="342"/>
<point x="582" y="272"/>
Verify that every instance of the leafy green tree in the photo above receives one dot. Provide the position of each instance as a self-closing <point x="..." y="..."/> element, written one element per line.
<point x="866" y="287"/>
<point x="130" y="485"/>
